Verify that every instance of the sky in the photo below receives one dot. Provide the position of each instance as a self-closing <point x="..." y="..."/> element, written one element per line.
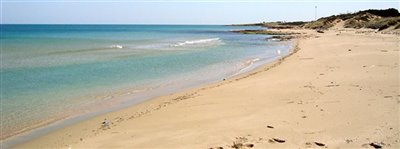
<point x="177" y="11"/>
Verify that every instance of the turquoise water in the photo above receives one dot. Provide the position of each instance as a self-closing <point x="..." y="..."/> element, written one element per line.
<point x="52" y="72"/>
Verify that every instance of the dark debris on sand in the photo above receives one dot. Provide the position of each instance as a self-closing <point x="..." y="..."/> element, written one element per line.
<point x="277" y="140"/>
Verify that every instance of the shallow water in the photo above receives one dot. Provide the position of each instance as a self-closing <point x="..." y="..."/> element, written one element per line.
<point x="52" y="72"/>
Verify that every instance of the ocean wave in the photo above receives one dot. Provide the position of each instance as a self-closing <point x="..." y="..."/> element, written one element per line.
<point x="194" y="42"/>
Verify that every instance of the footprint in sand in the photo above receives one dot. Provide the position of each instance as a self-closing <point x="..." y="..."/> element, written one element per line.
<point x="348" y="141"/>
<point x="240" y="143"/>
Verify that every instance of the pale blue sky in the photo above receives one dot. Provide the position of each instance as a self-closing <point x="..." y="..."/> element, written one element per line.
<point x="176" y="11"/>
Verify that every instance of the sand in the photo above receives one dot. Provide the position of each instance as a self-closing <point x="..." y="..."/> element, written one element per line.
<point x="340" y="89"/>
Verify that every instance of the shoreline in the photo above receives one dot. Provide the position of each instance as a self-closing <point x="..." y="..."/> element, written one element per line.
<point x="57" y="124"/>
<point x="41" y="130"/>
<point x="228" y="111"/>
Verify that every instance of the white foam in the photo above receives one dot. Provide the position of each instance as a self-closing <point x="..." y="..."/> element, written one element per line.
<point x="192" y="42"/>
<point x="251" y="62"/>
<point x="116" y="46"/>
<point x="246" y="66"/>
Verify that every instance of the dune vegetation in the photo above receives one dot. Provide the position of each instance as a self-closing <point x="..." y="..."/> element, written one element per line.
<point x="371" y="19"/>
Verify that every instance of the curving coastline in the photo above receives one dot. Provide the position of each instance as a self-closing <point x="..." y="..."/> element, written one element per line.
<point x="319" y="95"/>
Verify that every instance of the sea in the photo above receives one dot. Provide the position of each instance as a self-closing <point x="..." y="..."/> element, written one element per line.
<point x="54" y="74"/>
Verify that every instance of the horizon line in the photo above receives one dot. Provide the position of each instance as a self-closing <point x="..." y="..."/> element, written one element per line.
<point x="195" y="1"/>
<point x="107" y="24"/>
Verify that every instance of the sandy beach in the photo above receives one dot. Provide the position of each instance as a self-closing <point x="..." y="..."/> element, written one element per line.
<point x="339" y="89"/>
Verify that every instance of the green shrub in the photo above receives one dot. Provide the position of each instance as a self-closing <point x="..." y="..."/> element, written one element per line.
<point x="319" y="24"/>
<point x="294" y="23"/>
<point x="353" y="23"/>
<point x="383" y="23"/>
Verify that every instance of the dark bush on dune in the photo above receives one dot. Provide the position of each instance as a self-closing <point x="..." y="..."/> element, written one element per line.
<point x="391" y="12"/>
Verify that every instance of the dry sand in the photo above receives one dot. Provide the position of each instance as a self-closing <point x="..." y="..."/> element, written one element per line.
<point x="340" y="89"/>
